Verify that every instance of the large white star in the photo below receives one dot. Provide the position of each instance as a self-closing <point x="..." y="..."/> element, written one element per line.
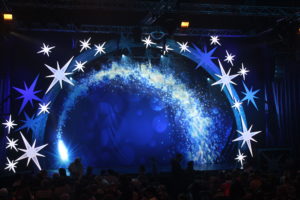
<point x="79" y="66"/>
<point x="214" y="40"/>
<point x="225" y="79"/>
<point x="11" y="165"/>
<point x="46" y="49"/>
<point x="59" y="75"/>
<point x="243" y="71"/>
<point x="31" y="152"/>
<point x="11" y="144"/>
<point x="184" y="47"/>
<point x="240" y="158"/>
<point x="44" y="108"/>
<point x="247" y="136"/>
<point x="100" y="48"/>
<point x="9" y="124"/>
<point x="229" y="58"/>
<point x="147" y="41"/>
<point x="237" y="104"/>
<point x="85" y="44"/>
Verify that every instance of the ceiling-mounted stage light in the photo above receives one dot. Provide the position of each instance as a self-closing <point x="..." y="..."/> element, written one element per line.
<point x="184" y="24"/>
<point x="7" y="17"/>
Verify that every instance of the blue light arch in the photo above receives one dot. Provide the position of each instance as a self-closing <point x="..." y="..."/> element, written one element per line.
<point x="112" y="46"/>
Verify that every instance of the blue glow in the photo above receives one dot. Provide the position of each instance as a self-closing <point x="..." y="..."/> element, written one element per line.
<point x="199" y="146"/>
<point x="63" y="151"/>
<point x="28" y="94"/>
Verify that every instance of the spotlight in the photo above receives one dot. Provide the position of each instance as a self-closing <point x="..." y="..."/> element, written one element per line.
<point x="63" y="151"/>
<point x="7" y="17"/>
<point x="185" y="24"/>
<point x="208" y="79"/>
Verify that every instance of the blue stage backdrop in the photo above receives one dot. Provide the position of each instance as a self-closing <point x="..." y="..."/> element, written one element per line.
<point x="130" y="105"/>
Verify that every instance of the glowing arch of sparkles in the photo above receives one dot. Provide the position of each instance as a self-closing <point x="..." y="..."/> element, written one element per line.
<point x="111" y="46"/>
<point x="171" y="91"/>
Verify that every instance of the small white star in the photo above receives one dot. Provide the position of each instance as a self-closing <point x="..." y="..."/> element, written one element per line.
<point x="46" y="49"/>
<point x="31" y="152"/>
<point x="166" y="49"/>
<point x="247" y="136"/>
<point x="240" y="158"/>
<point x="100" y="48"/>
<point x="214" y="40"/>
<point x="147" y="41"/>
<point x="79" y="66"/>
<point x="243" y="71"/>
<point x="9" y="124"/>
<point x="11" y="165"/>
<point x="229" y="58"/>
<point x="225" y="79"/>
<point x="237" y="104"/>
<point x="85" y="44"/>
<point x="184" y="47"/>
<point x="59" y="75"/>
<point x="11" y="144"/>
<point x="44" y="108"/>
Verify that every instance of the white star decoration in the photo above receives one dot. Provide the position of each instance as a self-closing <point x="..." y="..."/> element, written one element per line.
<point x="229" y="58"/>
<point x="147" y="41"/>
<point x="44" y="108"/>
<point x="79" y="66"/>
<point x="237" y="104"/>
<point x="9" y="124"/>
<point x="100" y="48"/>
<point x="214" y="40"/>
<point x="184" y="47"/>
<point x="166" y="49"/>
<point x="85" y="44"/>
<point x="240" y="158"/>
<point x="247" y="136"/>
<point x="243" y="71"/>
<point x="225" y="79"/>
<point x="31" y="152"/>
<point x="11" y="144"/>
<point x="46" y="49"/>
<point x="11" y="165"/>
<point x="59" y="75"/>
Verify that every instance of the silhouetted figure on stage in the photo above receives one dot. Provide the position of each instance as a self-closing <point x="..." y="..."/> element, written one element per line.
<point x="176" y="165"/>
<point x="76" y="169"/>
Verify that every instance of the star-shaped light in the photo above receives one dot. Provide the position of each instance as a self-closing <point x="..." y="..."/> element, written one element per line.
<point x="229" y="58"/>
<point x="79" y="66"/>
<point x="214" y="40"/>
<point x="240" y="158"/>
<point x="44" y="108"/>
<point x="250" y="95"/>
<point x="11" y="144"/>
<point x="59" y="75"/>
<point x="243" y="71"/>
<point x="11" y="165"/>
<point x="247" y="136"/>
<point x="9" y="124"/>
<point x="100" y="48"/>
<point x="147" y="41"/>
<point x="31" y="152"/>
<point x="28" y="94"/>
<point x="29" y="123"/>
<point x="203" y="57"/>
<point x="166" y="49"/>
<point x="85" y="44"/>
<point x="183" y="47"/>
<point x="237" y="104"/>
<point x="46" y="49"/>
<point x="225" y="79"/>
